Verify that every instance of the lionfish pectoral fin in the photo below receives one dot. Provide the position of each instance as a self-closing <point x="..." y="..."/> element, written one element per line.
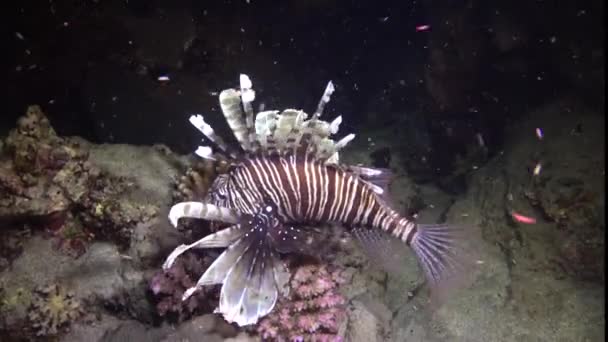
<point x="220" y="268"/>
<point x="250" y="290"/>
<point x="249" y="271"/>
<point x="382" y="248"/>
<point x="251" y="286"/>
<point x="222" y="238"/>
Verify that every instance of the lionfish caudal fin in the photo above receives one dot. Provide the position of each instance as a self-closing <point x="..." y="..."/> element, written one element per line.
<point x="272" y="131"/>
<point x="442" y="251"/>
<point x="250" y="271"/>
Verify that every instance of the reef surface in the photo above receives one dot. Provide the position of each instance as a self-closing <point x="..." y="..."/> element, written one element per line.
<point x="84" y="232"/>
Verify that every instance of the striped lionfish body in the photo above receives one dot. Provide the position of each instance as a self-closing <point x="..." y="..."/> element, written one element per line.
<point x="287" y="177"/>
<point x="308" y="191"/>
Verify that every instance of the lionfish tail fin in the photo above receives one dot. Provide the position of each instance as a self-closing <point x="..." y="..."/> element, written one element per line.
<point x="444" y="257"/>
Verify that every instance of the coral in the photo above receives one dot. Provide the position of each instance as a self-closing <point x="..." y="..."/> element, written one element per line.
<point x="48" y="182"/>
<point x="52" y="311"/>
<point x="314" y="310"/>
<point x="42" y="174"/>
<point x="34" y="144"/>
<point x="110" y="216"/>
<point x="196" y="181"/>
<point x="70" y="236"/>
<point x="169" y="286"/>
<point x="14" y="303"/>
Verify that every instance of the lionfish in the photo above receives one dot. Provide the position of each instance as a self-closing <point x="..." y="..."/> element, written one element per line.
<point x="287" y="177"/>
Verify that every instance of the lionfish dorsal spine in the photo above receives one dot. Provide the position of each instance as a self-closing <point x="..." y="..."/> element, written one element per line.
<point x="272" y="132"/>
<point x="329" y="89"/>
<point x="206" y="152"/>
<point x="230" y="102"/>
<point x="247" y="97"/>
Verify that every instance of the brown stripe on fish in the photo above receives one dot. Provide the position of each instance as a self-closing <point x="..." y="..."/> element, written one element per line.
<point x="290" y="184"/>
<point x="260" y="180"/>
<point x="276" y="172"/>
<point x="302" y="175"/>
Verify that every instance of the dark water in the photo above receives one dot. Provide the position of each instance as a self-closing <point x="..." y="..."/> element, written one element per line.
<point x="446" y="70"/>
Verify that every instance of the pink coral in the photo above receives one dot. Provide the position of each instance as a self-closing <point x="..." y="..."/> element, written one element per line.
<point x="313" y="310"/>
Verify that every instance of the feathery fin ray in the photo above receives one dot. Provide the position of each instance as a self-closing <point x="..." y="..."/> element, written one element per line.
<point x="249" y="270"/>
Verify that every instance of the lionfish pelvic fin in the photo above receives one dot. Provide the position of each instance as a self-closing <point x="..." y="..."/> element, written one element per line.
<point x="251" y="274"/>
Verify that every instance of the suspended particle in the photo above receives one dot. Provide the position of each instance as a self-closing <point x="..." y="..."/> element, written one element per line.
<point x="537" y="169"/>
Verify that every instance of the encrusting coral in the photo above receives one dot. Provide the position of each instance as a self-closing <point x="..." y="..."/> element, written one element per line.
<point x="314" y="309"/>
<point x="53" y="310"/>
<point x="48" y="181"/>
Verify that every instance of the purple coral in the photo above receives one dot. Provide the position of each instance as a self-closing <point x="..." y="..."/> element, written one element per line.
<point x="313" y="310"/>
<point x="169" y="286"/>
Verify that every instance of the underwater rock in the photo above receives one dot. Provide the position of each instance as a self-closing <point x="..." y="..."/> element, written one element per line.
<point x="117" y="201"/>
<point x="43" y="173"/>
<point x="363" y="326"/>
<point x="110" y="214"/>
<point x="52" y="184"/>
<point x="561" y="177"/>
<point x="131" y="330"/>
<point x="101" y="276"/>
<point x="524" y="283"/>
<point x="203" y="328"/>
<point x="108" y="328"/>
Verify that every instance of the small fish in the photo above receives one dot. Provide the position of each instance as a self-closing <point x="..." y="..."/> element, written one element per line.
<point x="282" y="182"/>
<point x="522" y="218"/>
<point x="421" y="28"/>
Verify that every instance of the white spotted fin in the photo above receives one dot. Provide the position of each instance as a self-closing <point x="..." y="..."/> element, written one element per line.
<point x="250" y="271"/>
